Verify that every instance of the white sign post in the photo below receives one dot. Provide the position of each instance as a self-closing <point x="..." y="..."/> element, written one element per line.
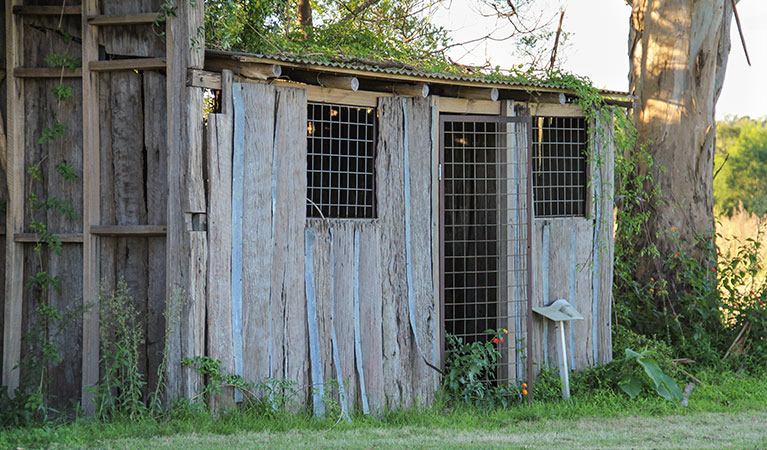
<point x="560" y="312"/>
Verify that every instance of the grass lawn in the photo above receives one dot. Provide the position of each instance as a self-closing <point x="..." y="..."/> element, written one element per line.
<point x="700" y="430"/>
<point x="727" y="411"/>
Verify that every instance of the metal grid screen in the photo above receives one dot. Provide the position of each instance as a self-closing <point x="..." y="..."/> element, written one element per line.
<point x="340" y="170"/>
<point x="485" y="229"/>
<point x="559" y="166"/>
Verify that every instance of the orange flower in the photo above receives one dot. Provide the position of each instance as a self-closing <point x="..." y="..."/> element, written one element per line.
<point x="505" y="331"/>
<point x="761" y="303"/>
<point x="673" y="229"/>
<point x="524" y="391"/>
<point x="495" y="340"/>
<point x="677" y="254"/>
<point x="652" y="291"/>
<point x="652" y="279"/>
<point x="524" y="385"/>
<point x="713" y="269"/>
<point x="501" y="340"/>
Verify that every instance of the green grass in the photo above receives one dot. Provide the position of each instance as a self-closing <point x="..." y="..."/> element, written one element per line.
<point x="728" y="411"/>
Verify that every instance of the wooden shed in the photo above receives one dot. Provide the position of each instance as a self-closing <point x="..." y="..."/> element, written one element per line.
<point x="327" y="224"/>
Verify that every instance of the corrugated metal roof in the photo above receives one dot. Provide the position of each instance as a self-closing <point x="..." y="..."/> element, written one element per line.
<point x="395" y="68"/>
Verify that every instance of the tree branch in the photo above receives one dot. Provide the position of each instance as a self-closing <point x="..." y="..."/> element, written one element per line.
<point x="359" y="9"/>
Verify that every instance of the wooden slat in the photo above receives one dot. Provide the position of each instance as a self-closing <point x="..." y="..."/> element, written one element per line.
<point x="91" y="211"/>
<point x="68" y="238"/>
<point x="46" y="72"/>
<point x="15" y="175"/>
<point x="128" y="230"/>
<point x="371" y="302"/>
<point x="219" y="301"/>
<point x="257" y="102"/>
<point x="123" y="19"/>
<point x="343" y="255"/>
<point x="127" y="64"/>
<point x="607" y="247"/>
<point x="43" y="10"/>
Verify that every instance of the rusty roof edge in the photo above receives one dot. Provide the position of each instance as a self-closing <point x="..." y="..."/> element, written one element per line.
<point x="402" y="75"/>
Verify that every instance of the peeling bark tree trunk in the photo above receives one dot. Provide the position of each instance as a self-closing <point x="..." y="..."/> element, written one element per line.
<point x="305" y="13"/>
<point x="678" y="52"/>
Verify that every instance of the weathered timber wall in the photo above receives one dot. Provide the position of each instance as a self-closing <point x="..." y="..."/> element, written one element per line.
<point x="41" y="109"/>
<point x="573" y="259"/>
<point x="134" y="192"/>
<point x="3" y="186"/>
<point x="323" y="303"/>
<point x="132" y="40"/>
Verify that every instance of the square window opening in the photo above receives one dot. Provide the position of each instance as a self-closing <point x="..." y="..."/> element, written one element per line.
<point x="340" y="161"/>
<point x="559" y="166"/>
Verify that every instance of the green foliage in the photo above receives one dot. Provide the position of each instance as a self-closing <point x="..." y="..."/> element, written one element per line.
<point x="51" y="133"/>
<point x="270" y="395"/>
<point x="663" y="384"/>
<point x="470" y="373"/>
<point x="63" y="60"/>
<point x="742" y="156"/>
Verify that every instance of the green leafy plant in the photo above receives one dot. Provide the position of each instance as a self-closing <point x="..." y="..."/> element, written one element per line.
<point x="470" y="372"/>
<point x="663" y="384"/>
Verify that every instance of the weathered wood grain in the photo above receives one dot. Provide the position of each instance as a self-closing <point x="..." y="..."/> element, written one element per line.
<point x="257" y="117"/>
<point x="343" y="255"/>
<point x="536" y="334"/>
<point x="390" y="203"/>
<point x="607" y="248"/>
<point x="424" y="297"/>
<point x="289" y="221"/>
<point x="132" y="40"/>
<point x="155" y="146"/>
<point x="323" y="287"/>
<point x="584" y="235"/>
<point x="219" y="301"/>
<point x="371" y="306"/>
<point x="559" y="278"/>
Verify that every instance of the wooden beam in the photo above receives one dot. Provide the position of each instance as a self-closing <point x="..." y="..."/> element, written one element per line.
<point x="203" y="79"/>
<point x="68" y="238"/>
<point x="127" y="64"/>
<point x="123" y="19"/>
<point x="534" y="97"/>
<point x="46" y="72"/>
<point x="128" y="230"/>
<point x="254" y="71"/>
<point x="326" y="80"/>
<point x="15" y="176"/>
<point x="53" y="10"/>
<point x="420" y="90"/>
<point x="466" y="106"/>
<point x="91" y="208"/>
<point x="470" y="93"/>
<point x="186" y="251"/>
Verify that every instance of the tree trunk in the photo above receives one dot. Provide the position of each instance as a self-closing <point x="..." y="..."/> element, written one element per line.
<point x="678" y="52"/>
<point x="305" y="13"/>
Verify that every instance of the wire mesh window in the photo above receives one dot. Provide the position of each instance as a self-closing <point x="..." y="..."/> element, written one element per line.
<point x="485" y="231"/>
<point x="340" y="168"/>
<point x="559" y="166"/>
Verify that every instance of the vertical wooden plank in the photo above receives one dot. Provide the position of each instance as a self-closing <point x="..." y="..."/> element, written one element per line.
<point x="419" y="132"/>
<point x="559" y="277"/>
<point x="256" y="113"/>
<point x="91" y="206"/>
<point x="186" y="251"/>
<point x="604" y="313"/>
<point x="155" y="145"/>
<point x="390" y="201"/>
<point x="323" y="287"/>
<point x="219" y="301"/>
<point x="536" y="334"/>
<point x="289" y="221"/>
<point x="435" y="224"/>
<point x="343" y="263"/>
<point x="315" y="356"/>
<point x="371" y="305"/>
<point x="584" y="235"/>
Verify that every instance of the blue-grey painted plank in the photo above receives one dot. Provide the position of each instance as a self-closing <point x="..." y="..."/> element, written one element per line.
<point x="275" y="167"/>
<point x="238" y="167"/>
<point x="315" y="355"/>
<point x="333" y="338"/>
<point x="573" y="274"/>
<point x="357" y="325"/>
<point x="545" y="288"/>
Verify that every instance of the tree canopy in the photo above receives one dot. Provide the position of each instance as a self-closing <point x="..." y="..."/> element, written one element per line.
<point x="741" y="161"/>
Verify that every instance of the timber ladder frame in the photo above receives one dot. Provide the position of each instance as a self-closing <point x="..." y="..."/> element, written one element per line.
<point x="14" y="163"/>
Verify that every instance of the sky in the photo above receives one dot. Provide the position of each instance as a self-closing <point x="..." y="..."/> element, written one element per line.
<point x="598" y="46"/>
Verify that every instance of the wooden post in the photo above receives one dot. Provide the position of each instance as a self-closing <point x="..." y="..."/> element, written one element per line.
<point x="14" y="252"/>
<point x="186" y="250"/>
<point x="91" y="207"/>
